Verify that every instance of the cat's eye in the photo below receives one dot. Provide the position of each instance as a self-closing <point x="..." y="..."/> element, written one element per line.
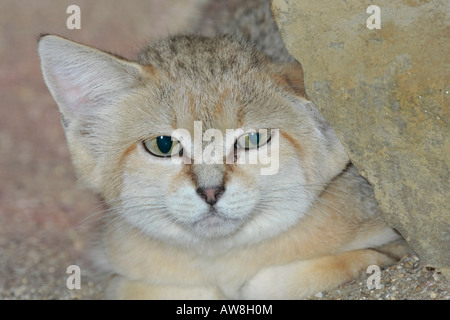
<point x="163" y="146"/>
<point x="253" y="140"/>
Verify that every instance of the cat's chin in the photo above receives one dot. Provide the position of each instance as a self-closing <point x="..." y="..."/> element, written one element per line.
<point x="214" y="226"/>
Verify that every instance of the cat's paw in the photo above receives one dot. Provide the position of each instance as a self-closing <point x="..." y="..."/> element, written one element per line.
<point x="295" y="280"/>
<point x="259" y="287"/>
<point x="272" y="283"/>
<point x="121" y="288"/>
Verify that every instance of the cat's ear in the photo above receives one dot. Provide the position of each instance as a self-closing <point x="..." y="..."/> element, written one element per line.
<point x="87" y="84"/>
<point x="336" y="157"/>
<point x="334" y="154"/>
<point x="291" y="75"/>
<point x="81" y="78"/>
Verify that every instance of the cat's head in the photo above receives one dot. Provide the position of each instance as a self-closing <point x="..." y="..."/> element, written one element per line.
<point x="201" y="140"/>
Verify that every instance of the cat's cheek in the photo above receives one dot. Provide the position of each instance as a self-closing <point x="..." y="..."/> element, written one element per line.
<point x="239" y="201"/>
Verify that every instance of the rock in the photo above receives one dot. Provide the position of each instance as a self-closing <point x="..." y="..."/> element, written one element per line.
<point x="386" y="92"/>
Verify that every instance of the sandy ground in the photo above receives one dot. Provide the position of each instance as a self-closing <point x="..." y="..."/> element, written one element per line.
<point x="43" y="211"/>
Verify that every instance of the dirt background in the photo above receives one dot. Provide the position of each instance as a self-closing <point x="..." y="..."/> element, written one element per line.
<point x="46" y="218"/>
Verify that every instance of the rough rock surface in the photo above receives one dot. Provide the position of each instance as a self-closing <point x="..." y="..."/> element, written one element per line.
<point x="386" y="92"/>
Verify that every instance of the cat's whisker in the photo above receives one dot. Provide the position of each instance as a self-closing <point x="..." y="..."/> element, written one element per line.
<point x="109" y="211"/>
<point x="94" y="217"/>
<point x="117" y="220"/>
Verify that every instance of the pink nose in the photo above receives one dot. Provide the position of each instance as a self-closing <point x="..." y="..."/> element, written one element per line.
<point x="210" y="195"/>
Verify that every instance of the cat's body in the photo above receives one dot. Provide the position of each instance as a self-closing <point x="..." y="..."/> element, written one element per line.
<point x="184" y="229"/>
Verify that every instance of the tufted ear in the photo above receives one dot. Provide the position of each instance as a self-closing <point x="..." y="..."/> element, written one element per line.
<point x="82" y="79"/>
<point x="291" y="75"/>
<point x="87" y="85"/>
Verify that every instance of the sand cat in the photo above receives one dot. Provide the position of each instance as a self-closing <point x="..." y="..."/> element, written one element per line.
<point x="223" y="180"/>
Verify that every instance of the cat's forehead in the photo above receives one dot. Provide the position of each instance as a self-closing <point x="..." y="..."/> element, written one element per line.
<point x="219" y="104"/>
<point x="221" y="82"/>
<point x="192" y="57"/>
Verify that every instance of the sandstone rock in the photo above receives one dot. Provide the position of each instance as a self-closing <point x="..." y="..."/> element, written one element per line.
<point x="387" y="94"/>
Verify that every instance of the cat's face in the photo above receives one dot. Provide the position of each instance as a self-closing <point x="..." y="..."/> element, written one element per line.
<point x="201" y="142"/>
<point x="200" y="197"/>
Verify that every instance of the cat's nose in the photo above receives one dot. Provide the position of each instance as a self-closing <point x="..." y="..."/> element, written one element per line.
<point x="211" y="195"/>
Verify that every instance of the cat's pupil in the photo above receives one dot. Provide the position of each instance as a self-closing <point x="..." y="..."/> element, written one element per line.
<point x="164" y="144"/>
<point x="254" y="138"/>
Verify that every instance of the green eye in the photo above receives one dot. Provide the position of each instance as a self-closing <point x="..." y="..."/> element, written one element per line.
<point x="253" y="140"/>
<point x="163" y="146"/>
